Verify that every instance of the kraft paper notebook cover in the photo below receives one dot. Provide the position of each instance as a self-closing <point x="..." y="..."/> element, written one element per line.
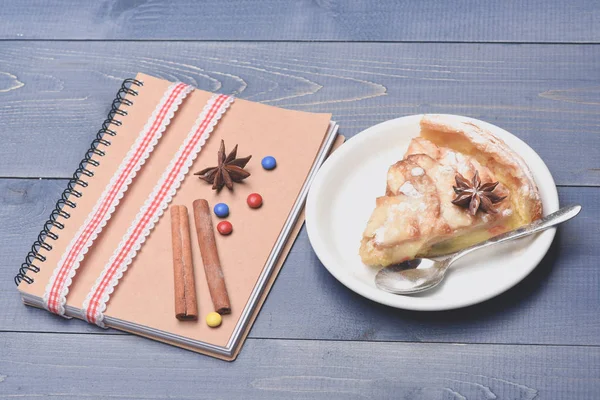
<point x="143" y="299"/>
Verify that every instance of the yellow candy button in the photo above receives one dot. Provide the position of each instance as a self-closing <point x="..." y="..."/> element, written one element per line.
<point x="213" y="319"/>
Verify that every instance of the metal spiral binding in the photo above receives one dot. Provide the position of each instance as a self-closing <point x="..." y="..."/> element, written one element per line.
<point x="70" y="192"/>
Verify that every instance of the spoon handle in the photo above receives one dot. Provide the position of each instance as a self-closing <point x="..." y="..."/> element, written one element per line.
<point x="560" y="216"/>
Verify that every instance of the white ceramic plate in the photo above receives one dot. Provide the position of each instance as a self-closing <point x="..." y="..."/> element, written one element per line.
<point x="342" y="198"/>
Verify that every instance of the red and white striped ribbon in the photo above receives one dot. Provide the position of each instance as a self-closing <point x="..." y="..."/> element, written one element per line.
<point x="153" y="208"/>
<point x="58" y="286"/>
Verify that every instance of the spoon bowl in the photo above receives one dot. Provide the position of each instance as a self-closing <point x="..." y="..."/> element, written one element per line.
<point x="412" y="276"/>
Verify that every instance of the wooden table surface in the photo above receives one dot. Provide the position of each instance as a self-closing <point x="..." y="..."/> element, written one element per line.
<point x="529" y="66"/>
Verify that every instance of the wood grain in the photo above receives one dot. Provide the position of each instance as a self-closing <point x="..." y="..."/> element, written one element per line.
<point x="306" y="302"/>
<point x="341" y="20"/>
<point x="313" y="370"/>
<point x="55" y="95"/>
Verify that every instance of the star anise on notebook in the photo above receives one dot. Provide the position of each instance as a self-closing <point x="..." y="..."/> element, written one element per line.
<point x="474" y="195"/>
<point x="229" y="170"/>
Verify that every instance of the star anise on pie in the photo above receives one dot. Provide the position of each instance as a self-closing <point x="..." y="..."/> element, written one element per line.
<point x="229" y="170"/>
<point x="474" y="195"/>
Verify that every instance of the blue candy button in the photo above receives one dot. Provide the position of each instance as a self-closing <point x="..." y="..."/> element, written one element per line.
<point x="221" y="210"/>
<point x="269" y="162"/>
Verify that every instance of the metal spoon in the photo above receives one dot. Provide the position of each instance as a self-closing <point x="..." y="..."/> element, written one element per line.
<point x="421" y="274"/>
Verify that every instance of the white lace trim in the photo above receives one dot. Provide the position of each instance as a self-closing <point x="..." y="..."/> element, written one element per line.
<point x="62" y="298"/>
<point x="109" y="288"/>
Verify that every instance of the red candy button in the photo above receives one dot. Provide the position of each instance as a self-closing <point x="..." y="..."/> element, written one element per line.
<point x="254" y="200"/>
<point x="224" y="227"/>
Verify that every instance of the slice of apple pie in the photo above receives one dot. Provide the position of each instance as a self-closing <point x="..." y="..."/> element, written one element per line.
<point x="457" y="185"/>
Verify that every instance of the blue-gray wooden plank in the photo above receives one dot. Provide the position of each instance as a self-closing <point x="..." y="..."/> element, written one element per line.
<point x="306" y="302"/>
<point x="125" y="367"/>
<point x="340" y="20"/>
<point x="53" y="96"/>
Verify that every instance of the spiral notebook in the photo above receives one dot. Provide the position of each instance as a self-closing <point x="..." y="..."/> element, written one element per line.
<point x="105" y="253"/>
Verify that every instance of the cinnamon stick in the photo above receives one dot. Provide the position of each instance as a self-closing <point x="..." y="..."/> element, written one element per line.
<point x="210" y="257"/>
<point x="186" y="306"/>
